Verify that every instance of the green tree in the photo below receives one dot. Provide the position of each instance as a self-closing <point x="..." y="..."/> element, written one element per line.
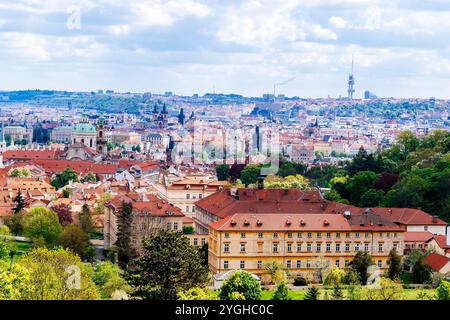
<point x="125" y="251"/>
<point x="85" y="219"/>
<point x="19" y="173"/>
<point x="443" y="290"/>
<point x="243" y="283"/>
<point x="15" y="283"/>
<point x="337" y="293"/>
<point x="15" y="223"/>
<point x="223" y="172"/>
<point x="351" y="278"/>
<point x="386" y="289"/>
<point x="42" y="223"/>
<point x="282" y="292"/>
<point x="371" y="198"/>
<point x="168" y="265"/>
<point x="275" y="271"/>
<point x="250" y="174"/>
<point x="49" y="276"/>
<point x="334" y="277"/>
<point x="19" y="202"/>
<point x="360" y="184"/>
<point x="75" y="239"/>
<point x="188" y="229"/>
<point x="395" y="265"/>
<point x="361" y="262"/>
<point x="109" y="278"/>
<point x="195" y="294"/>
<point x="312" y="293"/>
<point x="408" y="142"/>
<point x="63" y="178"/>
<point x="421" y="273"/>
<point x="90" y="177"/>
<point x="4" y="249"/>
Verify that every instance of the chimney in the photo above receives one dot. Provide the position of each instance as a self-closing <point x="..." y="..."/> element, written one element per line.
<point x="434" y="219"/>
<point x="260" y="182"/>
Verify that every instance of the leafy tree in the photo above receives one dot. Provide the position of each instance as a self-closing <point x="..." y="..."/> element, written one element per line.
<point x="288" y="168"/>
<point x="236" y="170"/>
<point x="351" y="278"/>
<point x="386" y="289"/>
<point x="195" y="294"/>
<point x="282" y="292"/>
<point x="19" y="173"/>
<point x="223" y="172"/>
<point x="125" y="252"/>
<point x="15" y="282"/>
<point x="421" y="273"/>
<point x="188" y="229"/>
<point x="359" y="184"/>
<point x="361" y="262"/>
<point x="395" y="265"/>
<point x="64" y="212"/>
<point x="67" y="193"/>
<point x="335" y="277"/>
<point x="363" y="161"/>
<point x="63" y="178"/>
<point x="371" y="198"/>
<point x="85" y="219"/>
<point x="109" y="278"/>
<point x="49" y="276"/>
<point x="337" y="293"/>
<point x="42" y="223"/>
<point x="168" y="265"/>
<point x="243" y="283"/>
<point x="443" y="290"/>
<point x="4" y="250"/>
<point x="89" y="177"/>
<point x="312" y="293"/>
<point x="408" y="142"/>
<point x="288" y="182"/>
<point x="275" y="271"/>
<point x="14" y="223"/>
<point x="386" y="181"/>
<point x="75" y="239"/>
<point x="250" y="174"/>
<point x="19" y="202"/>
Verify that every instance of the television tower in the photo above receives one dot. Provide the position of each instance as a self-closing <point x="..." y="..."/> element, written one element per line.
<point x="351" y="83"/>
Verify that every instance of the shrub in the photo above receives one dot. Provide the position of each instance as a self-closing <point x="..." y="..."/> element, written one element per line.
<point x="443" y="290"/>
<point x="282" y="292"/>
<point x="243" y="283"/>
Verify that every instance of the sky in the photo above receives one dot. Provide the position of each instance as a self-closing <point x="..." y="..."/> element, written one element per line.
<point x="401" y="48"/>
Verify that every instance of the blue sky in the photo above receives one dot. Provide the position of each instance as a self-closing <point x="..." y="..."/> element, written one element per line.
<point x="401" y="47"/>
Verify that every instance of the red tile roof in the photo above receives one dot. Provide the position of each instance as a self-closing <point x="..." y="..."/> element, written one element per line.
<point x="435" y="261"/>
<point x="29" y="154"/>
<point x="441" y="241"/>
<point x="154" y="206"/>
<point x="419" y="236"/>
<point x="83" y="167"/>
<point x="294" y="222"/>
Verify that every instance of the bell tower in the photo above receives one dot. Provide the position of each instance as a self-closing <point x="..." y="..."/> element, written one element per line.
<point x="101" y="137"/>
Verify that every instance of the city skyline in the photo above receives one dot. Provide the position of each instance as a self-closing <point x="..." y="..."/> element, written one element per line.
<point x="242" y="47"/>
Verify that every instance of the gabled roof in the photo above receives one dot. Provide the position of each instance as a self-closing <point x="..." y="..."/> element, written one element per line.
<point x="436" y="261"/>
<point x="418" y="236"/>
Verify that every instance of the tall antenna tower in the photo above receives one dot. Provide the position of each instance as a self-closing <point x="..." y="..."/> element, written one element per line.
<point x="351" y="83"/>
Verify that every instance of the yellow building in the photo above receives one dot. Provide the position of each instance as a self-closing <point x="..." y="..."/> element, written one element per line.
<point x="299" y="242"/>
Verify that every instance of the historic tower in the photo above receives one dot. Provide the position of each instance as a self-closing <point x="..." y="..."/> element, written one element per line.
<point x="101" y="137"/>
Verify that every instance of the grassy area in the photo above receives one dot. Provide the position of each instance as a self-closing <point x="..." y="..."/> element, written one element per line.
<point x="21" y="247"/>
<point x="408" y="294"/>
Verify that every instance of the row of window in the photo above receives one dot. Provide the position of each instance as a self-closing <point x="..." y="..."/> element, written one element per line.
<point x="203" y="241"/>
<point x="299" y="264"/>
<point x="300" y="247"/>
<point x="318" y="235"/>
<point x="188" y="196"/>
<point x="188" y="208"/>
